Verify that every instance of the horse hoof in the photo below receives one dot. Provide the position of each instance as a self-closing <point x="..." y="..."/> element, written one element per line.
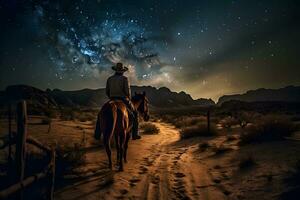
<point x="121" y="169"/>
<point x="125" y="161"/>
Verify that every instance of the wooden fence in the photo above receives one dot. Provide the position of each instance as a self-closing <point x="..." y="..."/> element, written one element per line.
<point x="20" y="140"/>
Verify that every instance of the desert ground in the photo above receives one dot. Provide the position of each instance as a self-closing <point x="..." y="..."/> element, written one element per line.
<point x="167" y="164"/>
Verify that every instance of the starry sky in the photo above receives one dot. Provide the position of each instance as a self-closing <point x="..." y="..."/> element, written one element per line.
<point x="206" y="48"/>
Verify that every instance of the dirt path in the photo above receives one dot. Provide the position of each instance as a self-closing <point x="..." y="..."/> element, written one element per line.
<point x="157" y="168"/>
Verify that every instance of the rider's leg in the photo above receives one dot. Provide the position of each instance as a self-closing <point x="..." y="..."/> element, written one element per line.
<point x="134" y="115"/>
<point x="135" y="126"/>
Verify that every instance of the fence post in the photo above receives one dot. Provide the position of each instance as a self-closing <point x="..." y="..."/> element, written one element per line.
<point x="208" y="121"/>
<point x="21" y="142"/>
<point x="9" y="134"/>
<point x="52" y="174"/>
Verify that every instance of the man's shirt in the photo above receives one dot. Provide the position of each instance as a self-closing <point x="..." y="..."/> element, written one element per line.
<point x="118" y="86"/>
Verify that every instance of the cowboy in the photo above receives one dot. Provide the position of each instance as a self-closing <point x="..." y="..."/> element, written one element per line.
<point x="118" y="87"/>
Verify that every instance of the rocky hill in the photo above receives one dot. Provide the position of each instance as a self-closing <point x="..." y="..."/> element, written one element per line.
<point x="36" y="98"/>
<point x="162" y="97"/>
<point x="287" y="94"/>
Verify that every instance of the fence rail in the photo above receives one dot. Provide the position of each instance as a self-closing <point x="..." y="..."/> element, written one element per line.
<point x="20" y="139"/>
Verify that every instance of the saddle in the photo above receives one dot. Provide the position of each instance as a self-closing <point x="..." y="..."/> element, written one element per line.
<point x="129" y="107"/>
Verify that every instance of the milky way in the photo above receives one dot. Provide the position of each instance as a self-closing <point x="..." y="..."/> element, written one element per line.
<point x="86" y="44"/>
<point x="206" y="48"/>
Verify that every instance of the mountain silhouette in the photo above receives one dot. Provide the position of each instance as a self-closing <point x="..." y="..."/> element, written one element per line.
<point x="286" y="94"/>
<point x="161" y="97"/>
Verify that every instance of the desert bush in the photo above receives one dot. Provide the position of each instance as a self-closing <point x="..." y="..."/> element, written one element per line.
<point x="228" y="122"/>
<point x="186" y="121"/>
<point x="69" y="157"/>
<point x="268" y="128"/>
<point x="199" y="129"/>
<point x="168" y="118"/>
<point x="243" y="118"/>
<point x="246" y="162"/>
<point x="149" y="128"/>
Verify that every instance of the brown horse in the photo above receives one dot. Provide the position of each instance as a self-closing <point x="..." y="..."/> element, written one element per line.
<point x="113" y="120"/>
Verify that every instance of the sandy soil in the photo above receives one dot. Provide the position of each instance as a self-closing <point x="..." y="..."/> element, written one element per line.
<point x="159" y="167"/>
<point x="164" y="167"/>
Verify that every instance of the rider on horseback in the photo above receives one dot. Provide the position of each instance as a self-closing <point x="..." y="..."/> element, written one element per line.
<point x="118" y="88"/>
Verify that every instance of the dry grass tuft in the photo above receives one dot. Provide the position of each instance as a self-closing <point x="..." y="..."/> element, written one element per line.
<point x="198" y="130"/>
<point x="183" y="122"/>
<point x="268" y="128"/>
<point x="149" y="128"/>
<point x="229" y="122"/>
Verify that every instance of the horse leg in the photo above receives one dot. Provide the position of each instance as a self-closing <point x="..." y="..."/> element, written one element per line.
<point x="126" y="147"/>
<point x="117" y="147"/>
<point x="121" y="151"/>
<point x="108" y="151"/>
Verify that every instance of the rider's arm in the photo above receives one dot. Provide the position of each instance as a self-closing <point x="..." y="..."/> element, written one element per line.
<point x="107" y="88"/>
<point x="127" y="88"/>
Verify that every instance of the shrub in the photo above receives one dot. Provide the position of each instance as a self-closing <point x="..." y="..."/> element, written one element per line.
<point x="268" y="128"/>
<point x="228" y="122"/>
<point x="183" y="122"/>
<point x="244" y="118"/>
<point x="70" y="157"/>
<point x="149" y="128"/>
<point x="197" y="130"/>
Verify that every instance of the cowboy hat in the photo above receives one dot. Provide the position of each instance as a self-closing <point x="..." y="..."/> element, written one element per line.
<point x="119" y="67"/>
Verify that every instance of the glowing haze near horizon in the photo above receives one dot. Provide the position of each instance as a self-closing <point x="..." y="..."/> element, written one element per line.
<point x="205" y="48"/>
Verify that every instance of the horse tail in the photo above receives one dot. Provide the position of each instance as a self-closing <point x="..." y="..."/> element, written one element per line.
<point x="108" y="121"/>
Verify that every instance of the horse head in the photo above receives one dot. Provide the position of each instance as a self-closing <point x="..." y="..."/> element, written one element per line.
<point x="142" y="102"/>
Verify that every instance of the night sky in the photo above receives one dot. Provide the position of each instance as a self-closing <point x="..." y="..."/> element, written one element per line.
<point x="205" y="48"/>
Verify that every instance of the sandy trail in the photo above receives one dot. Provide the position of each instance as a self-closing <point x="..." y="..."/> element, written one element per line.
<point x="157" y="168"/>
